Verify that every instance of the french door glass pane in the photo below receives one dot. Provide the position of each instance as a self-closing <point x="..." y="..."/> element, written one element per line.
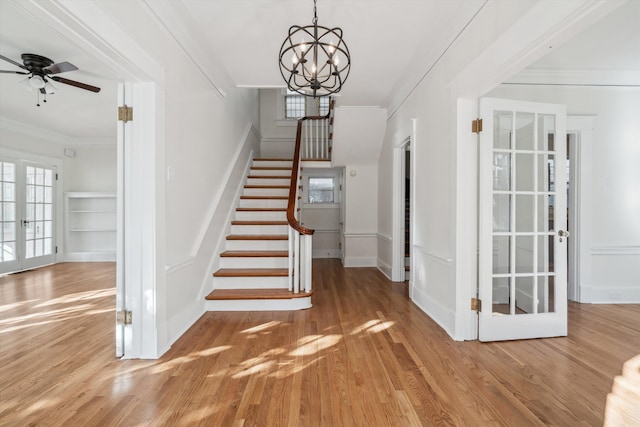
<point x="8" y="237"/>
<point x="503" y="128"/>
<point x="502" y="171"/>
<point x="523" y="213"/>
<point x="525" y="131"/>
<point x="38" y="211"/>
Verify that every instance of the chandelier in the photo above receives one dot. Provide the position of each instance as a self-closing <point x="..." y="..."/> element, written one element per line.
<point x="314" y="60"/>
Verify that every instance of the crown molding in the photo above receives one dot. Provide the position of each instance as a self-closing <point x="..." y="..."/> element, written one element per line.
<point x="586" y="77"/>
<point x="56" y="137"/>
<point x="178" y="25"/>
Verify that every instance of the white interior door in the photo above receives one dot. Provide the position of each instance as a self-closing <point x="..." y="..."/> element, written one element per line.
<point x="523" y="238"/>
<point x="28" y="207"/>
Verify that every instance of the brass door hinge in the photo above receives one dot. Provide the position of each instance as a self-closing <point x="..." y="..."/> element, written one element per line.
<point x="125" y="114"/>
<point x="476" y="126"/>
<point x="476" y="304"/>
<point x="123" y="317"/>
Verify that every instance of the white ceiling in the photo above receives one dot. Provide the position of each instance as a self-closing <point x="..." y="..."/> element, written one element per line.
<point x="392" y="43"/>
<point x="70" y="111"/>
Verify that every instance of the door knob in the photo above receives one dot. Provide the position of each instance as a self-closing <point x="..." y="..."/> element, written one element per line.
<point x="563" y="233"/>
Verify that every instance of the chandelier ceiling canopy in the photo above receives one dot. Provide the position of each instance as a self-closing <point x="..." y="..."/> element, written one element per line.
<point x="314" y="60"/>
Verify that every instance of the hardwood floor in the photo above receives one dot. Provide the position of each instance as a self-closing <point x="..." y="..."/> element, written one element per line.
<point x="364" y="355"/>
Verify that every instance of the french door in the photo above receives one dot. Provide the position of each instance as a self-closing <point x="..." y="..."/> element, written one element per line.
<point x="523" y="238"/>
<point x="27" y="212"/>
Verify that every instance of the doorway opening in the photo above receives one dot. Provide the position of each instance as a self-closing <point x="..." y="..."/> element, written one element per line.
<point x="402" y="191"/>
<point x="407" y="213"/>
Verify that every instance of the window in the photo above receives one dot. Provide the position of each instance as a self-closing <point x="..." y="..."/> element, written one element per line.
<point x="294" y="105"/>
<point x="321" y="190"/>
<point x="323" y="108"/>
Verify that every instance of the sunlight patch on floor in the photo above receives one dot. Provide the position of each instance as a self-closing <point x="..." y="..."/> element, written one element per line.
<point x="261" y="328"/>
<point x="11" y="306"/>
<point x="314" y="343"/>
<point x="196" y="416"/>
<point x="189" y="358"/>
<point x="79" y="296"/>
<point x="374" y="326"/>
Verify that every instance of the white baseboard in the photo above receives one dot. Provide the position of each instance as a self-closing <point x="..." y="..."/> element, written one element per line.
<point x="326" y="253"/>
<point x="384" y="268"/>
<point x="361" y="262"/>
<point x="610" y="294"/>
<point x="440" y="314"/>
<point x="90" y="257"/>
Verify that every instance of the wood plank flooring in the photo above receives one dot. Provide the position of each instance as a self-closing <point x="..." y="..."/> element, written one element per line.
<point x="364" y="355"/>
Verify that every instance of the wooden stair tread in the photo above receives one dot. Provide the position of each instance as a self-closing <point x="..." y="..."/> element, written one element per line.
<point x="270" y="168"/>
<point x="242" y="294"/>
<point x="252" y="272"/>
<point x="269" y="176"/>
<point x="236" y="222"/>
<point x="255" y="254"/>
<point x="272" y="159"/>
<point x="261" y="209"/>
<point x="266" y="186"/>
<point x="264" y="197"/>
<point x="257" y="237"/>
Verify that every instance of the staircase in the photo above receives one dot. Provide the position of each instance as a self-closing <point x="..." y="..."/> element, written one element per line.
<point x="254" y="268"/>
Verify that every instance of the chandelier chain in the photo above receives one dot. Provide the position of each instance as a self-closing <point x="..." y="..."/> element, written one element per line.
<point x="315" y="12"/>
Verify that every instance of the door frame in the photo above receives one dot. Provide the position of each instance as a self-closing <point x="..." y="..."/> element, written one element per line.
<point x="398" y="206"/>
<point x="143" y="266"/>
<point x="57" y="163"/>
<point x="579" y="269"/>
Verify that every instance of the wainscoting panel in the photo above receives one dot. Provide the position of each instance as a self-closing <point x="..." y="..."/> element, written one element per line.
<point x="433" y="288"/>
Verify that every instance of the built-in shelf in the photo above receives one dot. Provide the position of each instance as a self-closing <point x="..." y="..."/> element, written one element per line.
<point x="90" y="226"/>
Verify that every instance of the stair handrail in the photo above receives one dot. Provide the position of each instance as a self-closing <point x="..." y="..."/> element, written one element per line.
<point x="293" y="189"/>
<point x="300" y="237"/>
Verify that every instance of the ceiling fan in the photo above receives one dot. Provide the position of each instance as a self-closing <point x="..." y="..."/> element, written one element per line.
<point x="41" y="70"/>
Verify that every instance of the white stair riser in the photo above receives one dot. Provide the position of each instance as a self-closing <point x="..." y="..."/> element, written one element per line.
<point x="259" y="304"/>
<point x="254" y="262"/>
<point x="276" y="172"/>
<point x="259" y="229"/>
<point x="272" y="163"/>
<point x="250" y="282"/>
<point x="266" y="192"/>
<point x="269" y="181"/>
<point x="261" y="216"/>
<point x="263" y="203"/>
<point x="257" y="245"/>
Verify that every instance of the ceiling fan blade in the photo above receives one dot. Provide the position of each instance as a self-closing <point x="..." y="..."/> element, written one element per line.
<point x="76" y="84"/>
<point x="12" y="72"/>
<point x="60" y="67"/>
<point x="13" y="62"/>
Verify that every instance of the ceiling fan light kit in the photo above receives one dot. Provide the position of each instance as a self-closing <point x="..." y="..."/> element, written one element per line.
<point x="314" y="60"/>
<point x="40" y="71"/>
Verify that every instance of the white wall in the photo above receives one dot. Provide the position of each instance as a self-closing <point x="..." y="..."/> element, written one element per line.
<point x="503" y="38"/>
<point x="92" y="169"/>
<point x="610" y="268"/>
<point x="361" y="216"/>
<point x="278" y="134"/>
<point x="207" y="133"/>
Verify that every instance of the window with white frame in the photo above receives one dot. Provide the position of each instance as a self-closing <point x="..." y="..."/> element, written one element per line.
<point x="294" y="105"/>
<point x="321" y="189"/>
<point x="323" y="105"/>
